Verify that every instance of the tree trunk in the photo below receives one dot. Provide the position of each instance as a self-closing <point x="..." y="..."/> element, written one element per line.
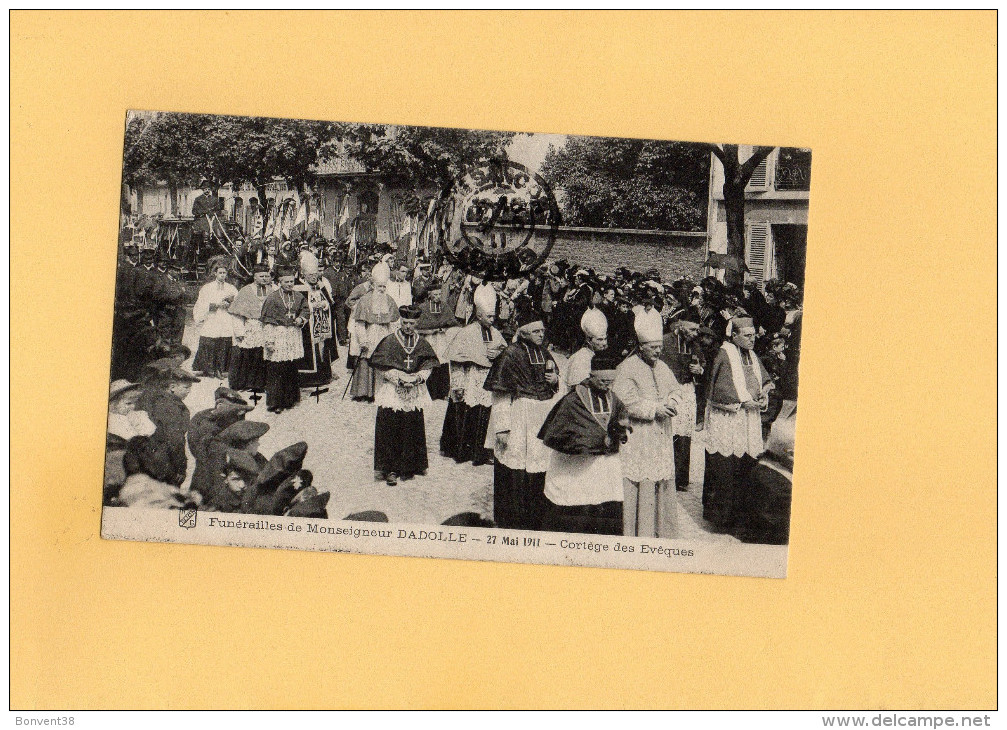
<point x="736" y="177"/>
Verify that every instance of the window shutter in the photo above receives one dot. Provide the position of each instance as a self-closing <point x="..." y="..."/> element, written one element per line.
<point x="755" y="251"/>
<point x="760" y="178"/>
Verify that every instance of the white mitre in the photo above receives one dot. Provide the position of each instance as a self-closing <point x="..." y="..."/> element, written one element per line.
<point x="648" y="326"/>
<point x="485" y="299"/>
<point x="594" y="323"/>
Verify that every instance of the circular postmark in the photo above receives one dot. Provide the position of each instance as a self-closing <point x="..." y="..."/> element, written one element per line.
<point x="498" y="220"/>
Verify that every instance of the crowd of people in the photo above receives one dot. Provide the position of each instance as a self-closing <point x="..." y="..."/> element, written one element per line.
<point x="581" y="391"/>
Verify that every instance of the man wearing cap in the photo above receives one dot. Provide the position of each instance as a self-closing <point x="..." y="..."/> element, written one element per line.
<point x="375" y="315"/>
<point x="242" y="436"/>
<point x="247" y="369"/>
<point x="319" y="340"/>
<point x="402" y="361"/>
<point x="584" y="430"/>
<point x="524" y="381"/>
<point x="284" y="312"/>
<point x="682" y="356"/>
<point x="736" y="396"/>
<point x="594" y="325"/>
<point x="470" y="355"/>
<point x="204" y="206"/>
<point x="652" y="396"/>
<point x="164" y="401"/>
<point x="239" y="472"/>
<point x="228" y="408"/>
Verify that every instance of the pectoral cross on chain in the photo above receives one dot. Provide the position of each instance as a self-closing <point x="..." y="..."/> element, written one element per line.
<point x="409" y="362"/>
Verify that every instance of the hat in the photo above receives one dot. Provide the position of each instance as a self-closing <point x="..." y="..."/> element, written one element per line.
<point x="241" y="432"/>
<point x="380" y="273"/>
<point x="485" y="299"/>
<point x="467" y="519"/>
<point x="232" y="396"/>
<point x="410" y="311"/>
<point x="648" y="328"/>
<point x="605" y="360"/>
<point x="594" y="323"/>
<point x="737" y="323"/>
<point x="181" y="375"/>
<point x="368" y="516"/>
<point x="283" y="464"/>
<point x="243" y="463"/>
<point x="119" y="387"/>
<point x="308" y="503"/>
<point x="688" y="315"/>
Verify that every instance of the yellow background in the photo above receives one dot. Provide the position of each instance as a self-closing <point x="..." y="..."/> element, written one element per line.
<point x="890" y="601"/>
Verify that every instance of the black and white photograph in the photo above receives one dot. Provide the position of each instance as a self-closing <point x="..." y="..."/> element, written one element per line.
<point x="437" y="342"/>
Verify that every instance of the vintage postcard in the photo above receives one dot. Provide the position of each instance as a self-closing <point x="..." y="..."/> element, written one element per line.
<point x="418" y="341"/>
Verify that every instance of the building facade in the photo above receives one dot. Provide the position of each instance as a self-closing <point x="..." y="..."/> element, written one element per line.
<point x="776" y="214"/>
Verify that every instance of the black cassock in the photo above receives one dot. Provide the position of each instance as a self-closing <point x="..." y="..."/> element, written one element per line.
<point x="400" y="441"/>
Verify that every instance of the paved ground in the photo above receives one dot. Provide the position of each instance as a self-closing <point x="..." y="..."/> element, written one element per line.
<point x="340" y="438"/>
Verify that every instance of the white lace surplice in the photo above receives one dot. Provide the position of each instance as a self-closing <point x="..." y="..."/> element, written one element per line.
<point x="733" y="434"/>
<point x="649" y="453"/>
<point x="287" y="343"/>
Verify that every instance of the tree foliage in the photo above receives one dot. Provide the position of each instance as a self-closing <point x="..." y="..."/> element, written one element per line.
<point x="179" y="149"/>
<point x="419" y="157"/>
<point x="182" y="148"/>
<point x="629" y="183"/>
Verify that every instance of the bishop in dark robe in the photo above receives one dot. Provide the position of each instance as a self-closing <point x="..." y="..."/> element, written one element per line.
<point x="524" y="381"/>
<point x="583" y="484"/>
<point x="402" y="362"/>
<point x="284" y="312"/>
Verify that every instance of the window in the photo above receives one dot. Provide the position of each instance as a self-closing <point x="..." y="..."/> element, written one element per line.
<point x="760" y="177"/>
<point x="793" y="169"/>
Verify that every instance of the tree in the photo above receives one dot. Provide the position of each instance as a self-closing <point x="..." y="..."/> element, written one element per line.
<point x="180" y="149"/>
<point x="417" y="157"/>
<point x="630" y="183"/>
<point x="737" y="174"/>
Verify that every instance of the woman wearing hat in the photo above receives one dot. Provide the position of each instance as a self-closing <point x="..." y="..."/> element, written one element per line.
<point x="216" y="324"/>
<point x="736" y="397"/>
<point x="124" y="422"/>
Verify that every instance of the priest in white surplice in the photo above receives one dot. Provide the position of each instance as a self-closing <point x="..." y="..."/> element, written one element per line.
<point x="738" y="393"/>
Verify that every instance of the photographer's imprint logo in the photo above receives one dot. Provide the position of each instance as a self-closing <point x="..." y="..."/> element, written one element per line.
<point x="187" y="517"/>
